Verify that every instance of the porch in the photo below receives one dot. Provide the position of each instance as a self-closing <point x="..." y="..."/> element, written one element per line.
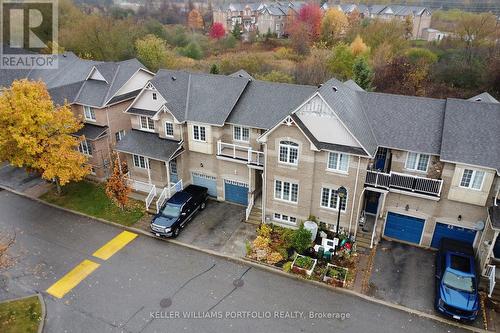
<point x="242" y="154"/>
<point x="404" y="183"/>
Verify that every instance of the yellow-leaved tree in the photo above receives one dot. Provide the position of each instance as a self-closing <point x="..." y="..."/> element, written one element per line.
<point x="358" y="46"/>
<point x="37" y="135"/>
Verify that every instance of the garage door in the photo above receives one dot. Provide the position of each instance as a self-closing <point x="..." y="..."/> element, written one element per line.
<point x="453" y="232"/>
<point x="236" y="192"/>
<point x="207" y="181"/>
<point x="404" y="227"/>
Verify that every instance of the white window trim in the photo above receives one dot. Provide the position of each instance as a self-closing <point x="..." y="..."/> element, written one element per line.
<point x="417" y="162"/>
<point x="338" y="163"/>
<point x="146" y="129"/>
<point x="165" y="128"/>
<point x="330" y="190"/>
<point x="285" y="200"/>
<point x="199" y="133"/>
<point x="86" y="144"/>
<point x="91" y="111"/>
<point x="472" y="180"/>
<point x="146" y="162"/>
<point x="288" y="152"/>
<point x="154" y="96"/>
<point x="241" y="133"/>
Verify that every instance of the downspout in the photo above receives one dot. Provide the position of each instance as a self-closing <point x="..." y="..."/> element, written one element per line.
<point x="264" y="192"/>
<point x="355" y="190"/>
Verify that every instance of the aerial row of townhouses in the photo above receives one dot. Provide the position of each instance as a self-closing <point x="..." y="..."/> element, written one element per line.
<point x="275" y="17"/>
<point x="415" y="169"/>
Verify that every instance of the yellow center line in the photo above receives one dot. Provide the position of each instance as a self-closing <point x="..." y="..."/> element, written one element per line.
<point x="114" y="245"/>
<point x="72" y="279"/>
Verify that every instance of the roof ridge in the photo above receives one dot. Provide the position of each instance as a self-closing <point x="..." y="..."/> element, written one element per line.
<point x="105" y="101"/>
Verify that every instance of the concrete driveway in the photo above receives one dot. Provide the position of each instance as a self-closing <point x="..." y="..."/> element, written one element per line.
<point x="404" y="274"/>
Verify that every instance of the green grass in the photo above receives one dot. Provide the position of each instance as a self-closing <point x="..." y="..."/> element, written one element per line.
<point x="91" y="199"/>
<point x="20" y="316"/>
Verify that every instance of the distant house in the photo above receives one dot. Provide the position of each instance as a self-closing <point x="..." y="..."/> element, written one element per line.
<point x="432" y="35"/>
<point x="237" y="13"/>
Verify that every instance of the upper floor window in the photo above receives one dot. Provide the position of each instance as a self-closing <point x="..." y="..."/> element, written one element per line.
<point x="472" y="179"/>
<point x="154" y="96"/>
<point x="199" y="133"/>
<point x="417" y="162"/>
<point x="338" y="162"/>
<point x="88" y="113"/>
<point x="286" y="191"/>
<point x="147" y="123"/>
<point x="330" y="199"/>
<point x="173" y="167"/>
<point x="141" y="162"/>
<point x="241" y="133"/>
<point x="85" y="148"/>
<point x="119" y="135"/>
<point x="289" y="152"/>
<point x="169" y="129"/>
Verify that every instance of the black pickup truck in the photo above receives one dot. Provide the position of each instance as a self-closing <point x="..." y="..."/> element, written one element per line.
<point x="179" y="210"/>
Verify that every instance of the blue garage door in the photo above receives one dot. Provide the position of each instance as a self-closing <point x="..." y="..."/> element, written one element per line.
<point x="236" y="192"/>
<point x="453" y="232"/>
<point x="207" y="181"/>
<point x="404" y="227"/>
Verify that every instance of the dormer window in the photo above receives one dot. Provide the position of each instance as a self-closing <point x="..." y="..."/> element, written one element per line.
<point x="147" y="123"/>
<point x="154" y="97"/>
<point x="88" y="113"/>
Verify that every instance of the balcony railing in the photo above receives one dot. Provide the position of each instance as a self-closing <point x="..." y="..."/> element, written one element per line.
<point x="241" y="153"/>
<point x="404" y="182"/>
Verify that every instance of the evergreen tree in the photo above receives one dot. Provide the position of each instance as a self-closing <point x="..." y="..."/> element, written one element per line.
<point x="362" y="73"/>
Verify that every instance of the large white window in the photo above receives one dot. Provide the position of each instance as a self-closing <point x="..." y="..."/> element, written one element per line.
<point x="169" y="129"/>
<point x="140" y="162"/>
<point x="289" y="152"/>
<point x="89" y="113"/>
<point x="85" y="148"/>
<point x="147" y="123"/>
<point x="286" y="191"/>
<point x="241" y="133"/>
<point x="284" y="218"/>
<point x="330" y="199"/>
<point x="338" y="162"/>
<point x="199" y="133"/>
<point x="417" y="162"/>
<point x="472" y="179"/>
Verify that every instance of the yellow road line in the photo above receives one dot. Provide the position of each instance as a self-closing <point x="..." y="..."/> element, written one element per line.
<point x="114" y="245"/>
<point x="72" y="279"/>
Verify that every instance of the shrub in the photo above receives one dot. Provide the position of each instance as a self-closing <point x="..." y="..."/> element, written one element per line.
<point x="248" y="247"/>
<point x="273" y="258"/>
<point x="261" y="243"/>
<point x="304" y="262"/>
<point x="264" y="230"/>
<point x="287" y="267"/>
<point x="301" y="240"/>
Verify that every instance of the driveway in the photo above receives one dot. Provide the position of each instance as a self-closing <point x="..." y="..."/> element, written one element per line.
<point x="404" y="274"/>
<point x="17" y="178"/>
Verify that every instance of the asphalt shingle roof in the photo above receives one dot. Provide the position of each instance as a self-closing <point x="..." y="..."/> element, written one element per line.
<point x="91" y="131"/>
<point x="470" y="133"/>
<point x="147" y="144"/>
<point x="173" y="86"/>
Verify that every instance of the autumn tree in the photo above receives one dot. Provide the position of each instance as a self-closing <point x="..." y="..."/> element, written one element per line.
<point x="300" y="37"/>
<point x="117" y="188"/>
<point x="474" y="29"/>
<point x="341" y="61"/>
<point x="310" y="15"/>
<point x="275" y="76"/>
<point x="358" y="47"/>
<point x="37" y="135"/>
<point x="313" y="70"/>
<point x="151" y="51"/>
<point x="217" y="31"/>
<point x="195" y="20"/>
<point x="333" y="25"/>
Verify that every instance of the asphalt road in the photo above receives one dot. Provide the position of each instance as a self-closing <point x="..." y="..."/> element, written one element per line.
<point x="144" y="285"/>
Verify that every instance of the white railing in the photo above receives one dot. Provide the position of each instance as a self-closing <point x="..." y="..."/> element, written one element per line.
<point x="374" y="231"/>
<point x="138" y="185"/>
<point x="490" y="273"/>
<point x="249" y="207"/>
<point x="150" y="197"/>
<point x="167" y="192"/>
<point x="406" y="182"/>
<point x="242" y="153"/>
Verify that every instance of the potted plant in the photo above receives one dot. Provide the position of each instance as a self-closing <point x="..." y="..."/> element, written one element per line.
<point x="303" y="265"/>
<point x="335" y="275"/>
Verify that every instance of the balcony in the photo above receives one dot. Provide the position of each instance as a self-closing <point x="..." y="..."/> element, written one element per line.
<point x="242" y="154"/>
<point x="401" y="182"/>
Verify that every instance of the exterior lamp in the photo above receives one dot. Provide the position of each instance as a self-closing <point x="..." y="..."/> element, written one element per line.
<point x="341" y="193"/>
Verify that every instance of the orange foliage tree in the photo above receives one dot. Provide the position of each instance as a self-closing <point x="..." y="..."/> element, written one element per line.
<point x="117" y="188"/>
<point x="195" y="20"/>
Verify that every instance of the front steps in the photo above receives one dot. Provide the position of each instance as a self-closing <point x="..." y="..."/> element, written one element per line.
<point x="141" y="196"/>
<point x="255" y="216"/>
<point x="363" y="240"/>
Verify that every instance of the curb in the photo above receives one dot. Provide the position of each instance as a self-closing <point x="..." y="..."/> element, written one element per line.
<point x="248" y="262"/>
<point x="42" y="306"/>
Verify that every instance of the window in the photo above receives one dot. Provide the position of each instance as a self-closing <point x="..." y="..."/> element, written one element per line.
<point x="286" y="191"/>
<point x="173" y="167"/>
<point x="472" y="179"/>
<point x="147" y="123"/>
<point x="140" y="162"/>
<point x="241" y="133"/>
<point x="417" y="162"/>
<point x="199" y="133"/>
<point x="330" y="199"/>
<point x="85" y="148"/>
<point x="289" y="152"/>
<point x="285" y="218"/>
<point x="154" y="97"/>
<point x="338" y="162"/>
<point x="89" y="113"/>
<point x="169" y="129"/>
<point x="119" y="135"/>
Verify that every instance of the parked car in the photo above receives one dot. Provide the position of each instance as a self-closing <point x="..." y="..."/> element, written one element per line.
<point x="179" y="210"/>
<point x="456" y="281"/>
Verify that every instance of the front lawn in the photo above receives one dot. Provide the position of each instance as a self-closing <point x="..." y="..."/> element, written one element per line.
<point x="91" y="199"/>
<point x="20" y="316"/>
